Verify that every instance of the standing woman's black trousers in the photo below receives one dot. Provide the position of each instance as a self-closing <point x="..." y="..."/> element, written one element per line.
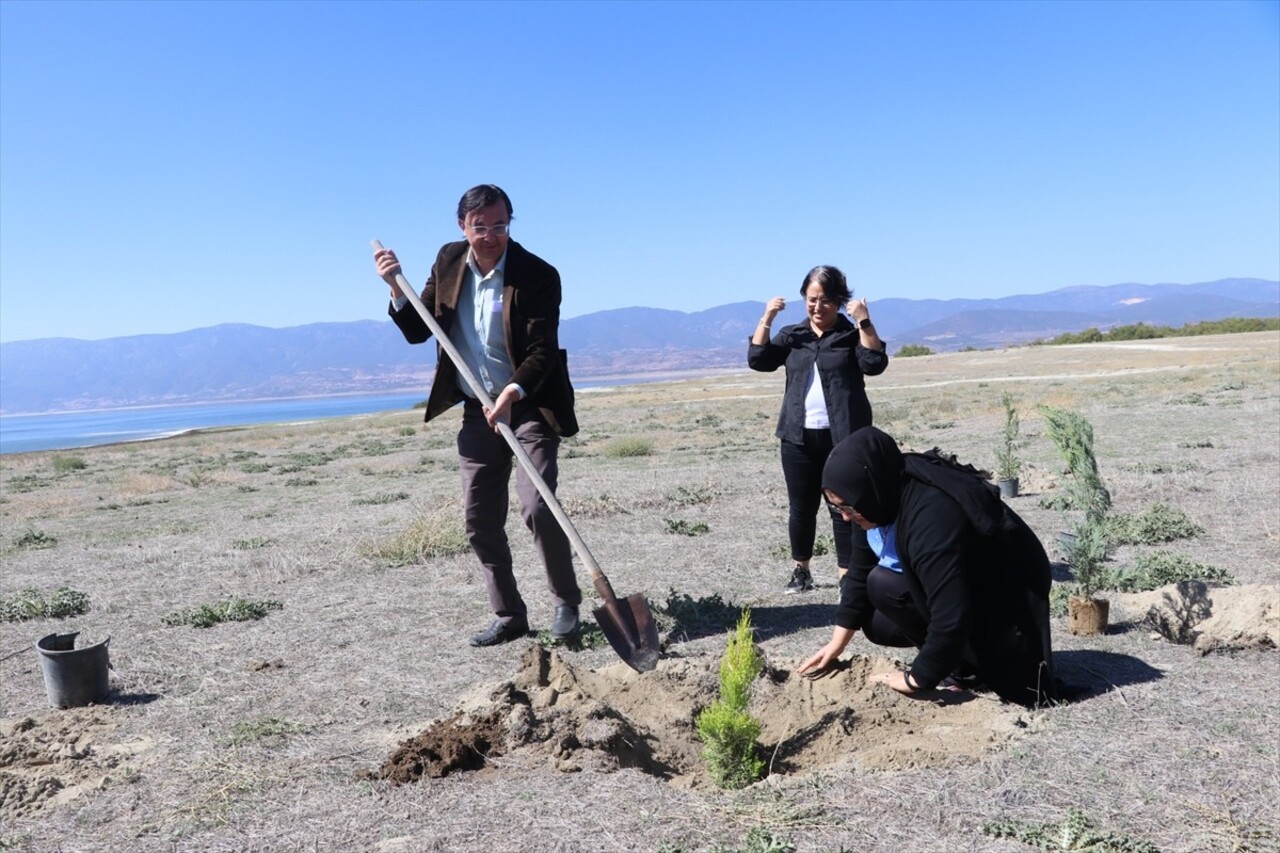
<point x="802" y="470"/>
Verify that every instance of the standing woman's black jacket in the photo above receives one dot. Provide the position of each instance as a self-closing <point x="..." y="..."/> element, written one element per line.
<point x="975" y="569"/>
<point x="842" y="363"/>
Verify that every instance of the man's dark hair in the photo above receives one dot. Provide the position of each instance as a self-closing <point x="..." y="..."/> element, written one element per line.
<point x="833" y="284"/>
<point x="482" y="196"/>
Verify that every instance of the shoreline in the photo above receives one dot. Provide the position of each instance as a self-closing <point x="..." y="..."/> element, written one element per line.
<point x="80" y="429"/>
<point x="585" y="383"/>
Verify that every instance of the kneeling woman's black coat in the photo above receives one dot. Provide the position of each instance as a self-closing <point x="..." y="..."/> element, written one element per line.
<point x="977" y="573"/>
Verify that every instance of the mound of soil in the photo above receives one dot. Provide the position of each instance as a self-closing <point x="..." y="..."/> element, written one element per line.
<point x="617" y="718"/>
<point x="1209" y="618"/>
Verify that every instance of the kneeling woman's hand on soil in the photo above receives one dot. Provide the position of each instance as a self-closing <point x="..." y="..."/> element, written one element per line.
<point x="827" y="655"/>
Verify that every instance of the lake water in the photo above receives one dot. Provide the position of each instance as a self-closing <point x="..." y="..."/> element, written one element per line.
<point x="67" y="430"/>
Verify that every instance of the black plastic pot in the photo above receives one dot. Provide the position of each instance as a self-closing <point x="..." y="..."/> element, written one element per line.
<point x="73" y="677"/>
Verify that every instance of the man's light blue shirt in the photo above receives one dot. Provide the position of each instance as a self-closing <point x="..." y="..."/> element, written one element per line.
<point x="478" y="332"/>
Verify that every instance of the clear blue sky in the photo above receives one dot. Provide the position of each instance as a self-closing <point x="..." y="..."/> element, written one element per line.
<point x="172" y="165"/>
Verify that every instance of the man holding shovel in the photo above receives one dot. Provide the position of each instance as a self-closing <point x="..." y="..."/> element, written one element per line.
<point x="500" y="306"/>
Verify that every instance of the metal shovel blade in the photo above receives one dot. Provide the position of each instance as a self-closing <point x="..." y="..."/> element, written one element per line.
<point x="629" y="627"/>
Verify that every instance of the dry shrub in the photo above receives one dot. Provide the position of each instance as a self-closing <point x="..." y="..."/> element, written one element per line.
<point x="430" y="536"/>
<point x="626" y="447"/>
<point x="142" y="484"/>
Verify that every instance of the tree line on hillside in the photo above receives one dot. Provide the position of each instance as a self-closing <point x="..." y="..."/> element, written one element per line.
<point x="1136" y="332"/>
<point x="1141" y="331"/>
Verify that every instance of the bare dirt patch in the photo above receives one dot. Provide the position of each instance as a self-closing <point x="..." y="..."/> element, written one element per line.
<point x="52" y="757"/>
<point x="573" y="719"/>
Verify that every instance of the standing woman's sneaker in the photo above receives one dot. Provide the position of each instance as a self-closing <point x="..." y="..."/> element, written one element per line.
<point x="801" y="581"/>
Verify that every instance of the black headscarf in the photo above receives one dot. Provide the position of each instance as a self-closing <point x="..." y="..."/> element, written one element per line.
<point x="866" y="471"/>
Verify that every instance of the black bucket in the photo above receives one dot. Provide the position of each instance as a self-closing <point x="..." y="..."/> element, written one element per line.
<point x="73" y="677"/>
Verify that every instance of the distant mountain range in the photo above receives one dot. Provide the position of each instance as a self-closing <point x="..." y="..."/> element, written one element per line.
<point x="241" y="362"/>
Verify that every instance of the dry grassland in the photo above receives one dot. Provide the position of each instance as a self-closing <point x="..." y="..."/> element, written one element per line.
<point x="252" y="735"/>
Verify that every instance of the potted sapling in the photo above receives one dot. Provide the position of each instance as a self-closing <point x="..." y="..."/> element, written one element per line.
<point x="1087" y="543"/>
<point x="1087" y="614"/>
<point x="1008" y="463"/>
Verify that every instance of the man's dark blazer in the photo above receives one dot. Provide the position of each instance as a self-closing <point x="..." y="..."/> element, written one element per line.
<point x="530" y="324"/>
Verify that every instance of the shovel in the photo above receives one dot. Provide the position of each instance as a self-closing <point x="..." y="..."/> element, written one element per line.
<point x="626" y="623"/>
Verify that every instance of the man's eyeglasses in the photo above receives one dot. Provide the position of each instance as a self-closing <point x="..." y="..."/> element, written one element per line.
<point x="483" y="231"/>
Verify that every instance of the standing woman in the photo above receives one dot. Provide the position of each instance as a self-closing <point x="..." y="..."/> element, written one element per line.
<point x="825" y="400"/>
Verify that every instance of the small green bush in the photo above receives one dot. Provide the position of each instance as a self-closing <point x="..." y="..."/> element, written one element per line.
<point x="298" y="461"/>
<point x="26" y="483"/>
<point x="683" y="496"/>
<point x="232" y="610"/>
<point x="35" y="540"/>
<point x="1158" y="523"/>
<point x="1152" y="571"/>
<point x="197" y="479"/>
<point x="32" y="604"/>
<point x="271" y="730"/>
<point x="685" y="528"/>
<point x="387" y="498"/>
<point x="621" y="448"/>
<point x="909" y="350"/>
<point x="758" y="840"/>
<point x="1059" y="593"/>
<point x="587" y="637"/>
<point x="1074" y="832"/>
<point x="727" y="730"/>
<point x="66" y="464"/>
<point x="1179" y="467"/>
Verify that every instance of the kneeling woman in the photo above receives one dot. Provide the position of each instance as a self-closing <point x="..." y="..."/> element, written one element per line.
<point x="948" y="568"/>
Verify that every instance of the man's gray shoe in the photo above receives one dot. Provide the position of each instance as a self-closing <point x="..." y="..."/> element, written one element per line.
<point x="566" y="622"/>
<point x="501" y="632"/>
